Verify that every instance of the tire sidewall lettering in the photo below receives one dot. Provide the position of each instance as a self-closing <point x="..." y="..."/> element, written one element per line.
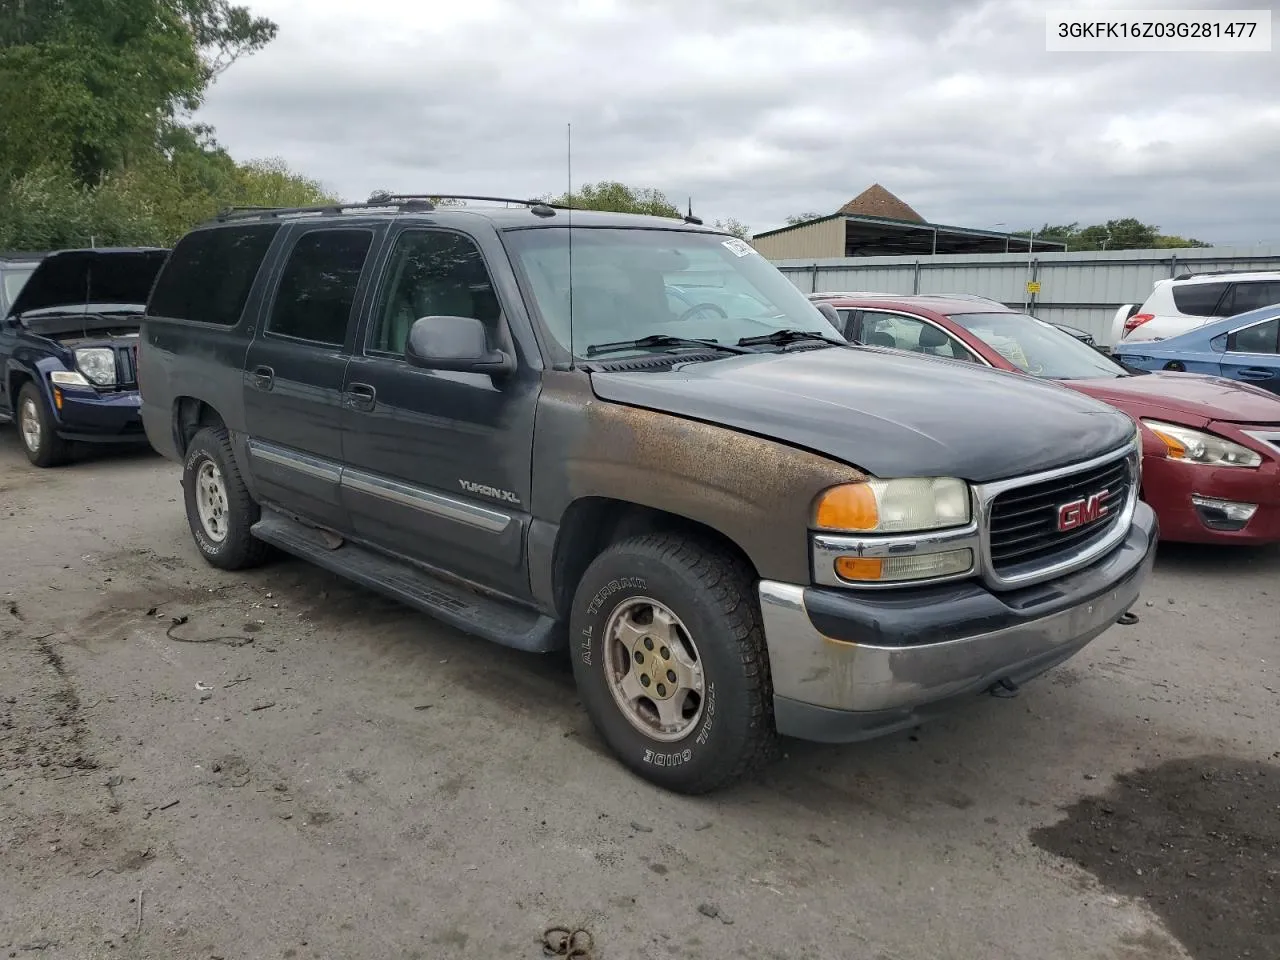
<point x="612" y="587"/>
<point x="590" y="653"/>
<point x="708" y="716"/>
<point x="659" y="758"/>
<point x="587" y="636"/>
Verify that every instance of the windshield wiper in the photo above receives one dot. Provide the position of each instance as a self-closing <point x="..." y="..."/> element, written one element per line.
<point x="659" y="340"/>
<point x="789" y="335"/>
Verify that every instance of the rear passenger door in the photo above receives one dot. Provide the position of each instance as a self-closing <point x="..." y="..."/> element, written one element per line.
<point x="439" y="462"/>
<point x="294" y="369"/>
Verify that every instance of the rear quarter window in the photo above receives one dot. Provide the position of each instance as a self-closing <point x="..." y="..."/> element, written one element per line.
<point x="1198" y="299"/>
<point x="1251" y="295"/>
<point x="210" y="272"/>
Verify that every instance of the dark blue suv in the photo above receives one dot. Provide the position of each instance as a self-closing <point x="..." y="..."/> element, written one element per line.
<point x="68" y="348"/>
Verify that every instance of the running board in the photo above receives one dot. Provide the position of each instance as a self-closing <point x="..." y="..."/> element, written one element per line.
<point x="464" y="609"/>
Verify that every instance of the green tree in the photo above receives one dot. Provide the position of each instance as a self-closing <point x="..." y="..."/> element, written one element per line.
<point x="1127" y="233"/>
<point x="95" y="83"/>
<point x="619" y="198"/>
<point x="803" y="218"/>
<point x="97" y="146"/>
<point x="735" y="227"/>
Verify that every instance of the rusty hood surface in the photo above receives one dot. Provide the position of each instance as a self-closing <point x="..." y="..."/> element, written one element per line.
<point x="887" y="413"/>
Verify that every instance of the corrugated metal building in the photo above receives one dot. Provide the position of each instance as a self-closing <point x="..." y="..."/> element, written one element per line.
<point x="1082" y="289"/>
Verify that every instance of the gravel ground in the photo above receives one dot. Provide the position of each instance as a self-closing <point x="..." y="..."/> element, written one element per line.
<point x="300" y="769"/>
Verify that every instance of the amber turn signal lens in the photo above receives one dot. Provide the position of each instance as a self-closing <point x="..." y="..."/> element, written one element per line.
<point x="848" y="507"/>
<point x="57" y="398"/>
<point x="860" y="568"/>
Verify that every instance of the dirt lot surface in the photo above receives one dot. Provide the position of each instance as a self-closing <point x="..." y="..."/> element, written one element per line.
<point x="328" y="775"/>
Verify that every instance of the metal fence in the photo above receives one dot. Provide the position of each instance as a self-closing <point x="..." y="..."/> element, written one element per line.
<point x="1083" y="289"/>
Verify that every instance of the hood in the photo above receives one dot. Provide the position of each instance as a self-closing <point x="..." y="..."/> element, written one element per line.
<point x="93" y="278"/>
<point x="1186" y="395"/>
<point x="890" y="414"/>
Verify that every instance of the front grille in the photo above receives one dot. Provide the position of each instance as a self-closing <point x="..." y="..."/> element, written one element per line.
<point x="1024" y="525"/>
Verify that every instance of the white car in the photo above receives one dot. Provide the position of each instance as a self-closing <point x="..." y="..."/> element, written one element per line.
<point x="1191" y="300"/>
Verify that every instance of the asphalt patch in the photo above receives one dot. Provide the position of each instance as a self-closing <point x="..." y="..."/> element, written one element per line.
<point x="1198" y="840"/>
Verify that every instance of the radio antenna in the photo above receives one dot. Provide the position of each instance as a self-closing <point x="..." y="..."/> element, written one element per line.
<point x="569" y="217"/>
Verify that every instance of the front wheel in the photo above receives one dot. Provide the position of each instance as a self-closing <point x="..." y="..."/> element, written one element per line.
<point x="38" y="429"/>
<point x="670" y="661"/>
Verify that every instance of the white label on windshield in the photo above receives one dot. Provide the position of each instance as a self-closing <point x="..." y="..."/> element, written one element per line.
<point x="739" y="248"/>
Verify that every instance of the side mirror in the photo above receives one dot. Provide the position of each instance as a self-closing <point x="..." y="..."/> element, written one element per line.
<point x="454" y="343"/>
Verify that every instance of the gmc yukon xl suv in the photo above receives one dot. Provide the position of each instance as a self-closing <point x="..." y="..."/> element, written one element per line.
<point x="555" y="428"/>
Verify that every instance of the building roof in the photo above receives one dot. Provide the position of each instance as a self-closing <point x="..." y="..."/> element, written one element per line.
<point x="876" y="223"/>
<point x="876" y="201"/>
<point x="884" y="237"/>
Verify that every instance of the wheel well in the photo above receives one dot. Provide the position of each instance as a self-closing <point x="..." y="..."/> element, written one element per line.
<point x="16" y="380"/>
<point x="189" y="417"/>
<point x="593" y="524"/>
<point x="1176" y="366"/>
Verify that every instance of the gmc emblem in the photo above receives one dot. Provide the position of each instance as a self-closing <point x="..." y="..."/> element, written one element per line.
<point x="1077" y="513"/>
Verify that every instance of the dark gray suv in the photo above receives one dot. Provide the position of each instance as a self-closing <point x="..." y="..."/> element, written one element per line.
<point x="634" y="438"/>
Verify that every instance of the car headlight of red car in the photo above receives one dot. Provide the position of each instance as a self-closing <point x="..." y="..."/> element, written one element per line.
<point x="1196" y="446"/>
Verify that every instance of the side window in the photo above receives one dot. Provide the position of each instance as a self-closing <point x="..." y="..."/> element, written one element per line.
<point x="910" y="333"/>
<point x="208" y="275"/>
<point x="1198" y="299"/>
<point x="1253" y="295"/>
<point x="1259" y="338"/>
<point x="318" y="286"/>
<point x="431" y="273"/>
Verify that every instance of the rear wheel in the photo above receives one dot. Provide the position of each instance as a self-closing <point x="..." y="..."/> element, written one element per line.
<point x="38" y="430"/>
<point x="670" y="661"/>
<point x="220" y="511"/>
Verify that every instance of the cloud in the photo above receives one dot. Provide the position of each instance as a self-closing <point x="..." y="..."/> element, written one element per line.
<point x="758" y="109"/>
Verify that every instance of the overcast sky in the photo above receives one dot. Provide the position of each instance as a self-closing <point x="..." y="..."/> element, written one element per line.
<point x="760" y="109"/>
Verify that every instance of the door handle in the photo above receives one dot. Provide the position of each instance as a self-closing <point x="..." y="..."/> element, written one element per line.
<point x="360" y="396"/>
<point x="263" y="377"/>
<point x="1257" y="373"/>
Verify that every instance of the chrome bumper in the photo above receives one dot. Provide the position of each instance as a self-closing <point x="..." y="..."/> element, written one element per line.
<point x="849" y="689"/>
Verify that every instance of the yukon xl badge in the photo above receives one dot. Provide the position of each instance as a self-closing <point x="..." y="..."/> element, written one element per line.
<point x="488" y="491"/>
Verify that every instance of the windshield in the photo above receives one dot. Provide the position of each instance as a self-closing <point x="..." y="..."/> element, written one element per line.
<point x="630" y="283"/>
<point x="15" y="279"/>
<point x="1038" y="348"/>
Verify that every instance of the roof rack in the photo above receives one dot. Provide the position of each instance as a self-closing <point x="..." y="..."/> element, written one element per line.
<point x="1216" y="273"/>
<point x="406" y="202"/>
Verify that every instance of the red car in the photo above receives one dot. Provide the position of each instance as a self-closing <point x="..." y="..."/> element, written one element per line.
<point x="1211" y="447"/>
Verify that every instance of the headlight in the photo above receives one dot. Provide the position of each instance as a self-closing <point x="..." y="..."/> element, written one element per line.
<point x="98" y="364"/>
<point x="68" y="378"/>
<point x="893" y="506"/>
<point x="1196" y="446"/>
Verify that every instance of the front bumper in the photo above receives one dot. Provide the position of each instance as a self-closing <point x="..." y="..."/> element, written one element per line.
<point x="87" y="416"/>
<point x="1169" y="487"/>
<point x="851" y="666"/>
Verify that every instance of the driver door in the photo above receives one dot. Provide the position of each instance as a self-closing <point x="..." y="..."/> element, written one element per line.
<point x="438" y="462"/>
